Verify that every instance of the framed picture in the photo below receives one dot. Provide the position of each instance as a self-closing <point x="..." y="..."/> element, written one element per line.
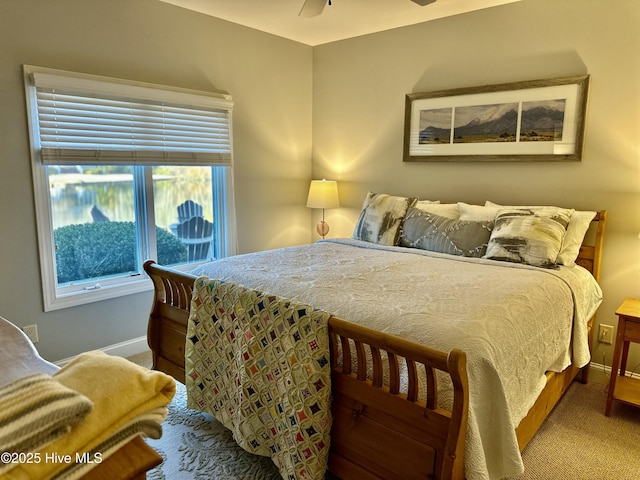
<point x="540" y="120"/>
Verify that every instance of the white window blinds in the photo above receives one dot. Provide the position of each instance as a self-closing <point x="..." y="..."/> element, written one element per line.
<point x="88" y="120"/>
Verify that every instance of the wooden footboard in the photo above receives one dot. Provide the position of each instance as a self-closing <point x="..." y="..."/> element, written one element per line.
<point x="379" y="431"/>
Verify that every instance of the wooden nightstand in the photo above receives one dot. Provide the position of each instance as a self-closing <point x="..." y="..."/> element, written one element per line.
<point x="622" y="388"/>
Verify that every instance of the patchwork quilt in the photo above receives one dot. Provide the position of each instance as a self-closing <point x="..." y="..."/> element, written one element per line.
<point x="260" y="364"/>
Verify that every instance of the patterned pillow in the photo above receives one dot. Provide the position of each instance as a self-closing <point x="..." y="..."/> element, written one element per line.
<point x="577" y="229"/>
<point x="435" y="233"/>
<point x="530" y="236"/>
<point x="381" y="218"/>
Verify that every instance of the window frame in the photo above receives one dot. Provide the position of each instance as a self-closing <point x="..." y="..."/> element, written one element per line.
<point x="56" y="297"/>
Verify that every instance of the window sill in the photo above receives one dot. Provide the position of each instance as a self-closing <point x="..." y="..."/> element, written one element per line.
<point x="83" y="297"/>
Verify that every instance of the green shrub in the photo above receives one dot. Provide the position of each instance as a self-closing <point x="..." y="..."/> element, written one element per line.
<point x="170" y="249"/>
<point x="93" y="250"/>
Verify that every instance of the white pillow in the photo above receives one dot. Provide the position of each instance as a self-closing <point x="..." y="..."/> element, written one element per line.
<point x="578" y="226"/>
<point x="477" y="213"/>
<point x="447" y="210"/>
<point x="577" y="229"/>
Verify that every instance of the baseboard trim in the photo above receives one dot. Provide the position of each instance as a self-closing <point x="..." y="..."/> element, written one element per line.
<point x="599" y="373"/>
<point x="122" y="349"/>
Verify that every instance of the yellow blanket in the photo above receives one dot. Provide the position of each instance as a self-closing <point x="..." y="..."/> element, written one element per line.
<point x="123" y="394"/>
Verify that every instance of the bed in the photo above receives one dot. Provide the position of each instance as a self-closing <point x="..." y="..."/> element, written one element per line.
<point x="30" y="384"/>
<point x="407" y="402"/>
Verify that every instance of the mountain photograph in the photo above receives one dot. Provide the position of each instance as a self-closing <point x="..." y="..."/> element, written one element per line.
<point x="541" y="121"/>
<point x="486" y="123"/>
<point x="435" y="126"/>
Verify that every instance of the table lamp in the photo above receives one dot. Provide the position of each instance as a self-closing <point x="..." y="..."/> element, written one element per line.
<point x="323" y="194"/>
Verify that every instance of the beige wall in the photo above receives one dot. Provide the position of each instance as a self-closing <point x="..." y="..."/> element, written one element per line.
<point x="146" y="40"/>
<point x="358" y="108"/>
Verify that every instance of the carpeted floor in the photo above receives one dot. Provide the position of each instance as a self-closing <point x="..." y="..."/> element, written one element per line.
<point x="577" y="442"/>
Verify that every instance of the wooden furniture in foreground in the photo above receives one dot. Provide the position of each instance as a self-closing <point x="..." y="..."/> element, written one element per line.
<point x="130" y="462"/>
<point x="19" y="359"/>
<point x="622" y="388"/>
<point x="377" y="432"/>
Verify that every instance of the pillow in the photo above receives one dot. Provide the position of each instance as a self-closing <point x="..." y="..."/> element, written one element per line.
<point x="448" y="210"/>
<point x="478" y="213"/>
<point x="530" y="236"/>
<point x="381" y="218"/>
<point x="435" y="233"/>
<point x="577" y="229"/>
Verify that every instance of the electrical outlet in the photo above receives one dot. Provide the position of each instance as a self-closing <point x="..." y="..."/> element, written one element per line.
<point x="32" y="332"/>
<point x="605" y="335"/>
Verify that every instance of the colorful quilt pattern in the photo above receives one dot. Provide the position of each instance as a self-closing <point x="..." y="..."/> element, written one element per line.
<point x="260" y="364"/>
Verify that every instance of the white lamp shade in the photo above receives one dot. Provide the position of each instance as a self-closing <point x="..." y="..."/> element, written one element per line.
<point x="323" y="194"/>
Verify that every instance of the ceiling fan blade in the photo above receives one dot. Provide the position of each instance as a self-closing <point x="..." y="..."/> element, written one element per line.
<point x="422" y="3"/>
<point x="312" y="8"/>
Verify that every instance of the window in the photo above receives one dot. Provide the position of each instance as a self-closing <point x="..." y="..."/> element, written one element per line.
<point x="125" y="171"/>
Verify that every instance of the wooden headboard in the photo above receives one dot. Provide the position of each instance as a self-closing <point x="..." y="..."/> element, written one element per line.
<point x="590" y="255"/>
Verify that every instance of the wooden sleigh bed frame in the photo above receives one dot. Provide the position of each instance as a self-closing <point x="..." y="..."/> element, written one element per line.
<point x="378" y="432"/>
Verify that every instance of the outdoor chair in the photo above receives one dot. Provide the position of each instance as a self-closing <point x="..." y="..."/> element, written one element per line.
<point x="189" y="209"/>
<point x="197" y="234"/>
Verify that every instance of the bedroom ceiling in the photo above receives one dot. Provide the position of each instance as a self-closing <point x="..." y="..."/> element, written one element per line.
<point x="343" y="19"/>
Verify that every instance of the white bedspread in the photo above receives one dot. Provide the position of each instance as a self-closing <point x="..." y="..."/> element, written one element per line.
<point x="514" y="322"/>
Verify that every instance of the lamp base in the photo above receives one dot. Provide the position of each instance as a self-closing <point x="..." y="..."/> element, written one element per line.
<point x="322" y="228"/>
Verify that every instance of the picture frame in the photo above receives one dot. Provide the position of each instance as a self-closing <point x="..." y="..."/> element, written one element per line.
<point x="538" y="120"/>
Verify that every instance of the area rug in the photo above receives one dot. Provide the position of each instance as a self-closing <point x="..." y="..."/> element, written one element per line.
<point x="576" y="442"/>
<point x="195" y="446"/>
